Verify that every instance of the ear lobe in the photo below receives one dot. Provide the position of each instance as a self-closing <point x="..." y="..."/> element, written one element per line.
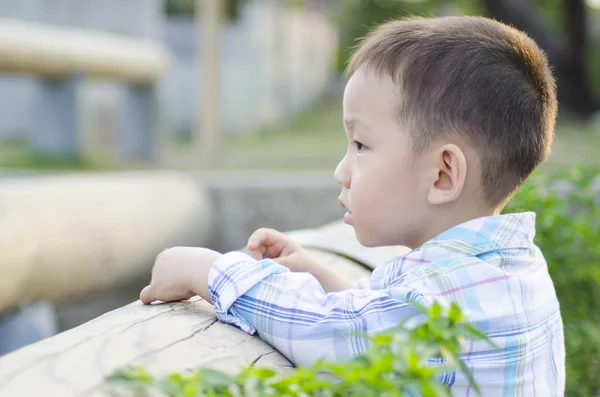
<point x="451" y="172"/>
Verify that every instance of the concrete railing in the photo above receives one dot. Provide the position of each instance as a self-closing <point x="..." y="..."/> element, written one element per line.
<point x="56" y="52"/>
<point x="85" y="243"/>
<point x="63" y="237"/>
<point x="165" y="337"/>
<point x="62" y="57"/>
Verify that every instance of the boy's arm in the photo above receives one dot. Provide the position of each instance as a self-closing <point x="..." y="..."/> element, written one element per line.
<point x="292" y="312"/>
<point x="271" y="243"/>
<point x="329" y="279"/>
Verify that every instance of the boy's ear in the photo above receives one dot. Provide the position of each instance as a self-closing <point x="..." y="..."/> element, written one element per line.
<point x="450" y="172"/>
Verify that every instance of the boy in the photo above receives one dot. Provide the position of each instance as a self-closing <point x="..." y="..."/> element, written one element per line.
<point x="445" y="119"/>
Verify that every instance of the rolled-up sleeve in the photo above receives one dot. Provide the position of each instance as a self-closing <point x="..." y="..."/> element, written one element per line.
<point x="292" y="312"/>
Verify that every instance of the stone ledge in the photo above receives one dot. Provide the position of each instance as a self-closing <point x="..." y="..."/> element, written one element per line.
<point x="65" y="236"/>
<point x="76" y="362"/>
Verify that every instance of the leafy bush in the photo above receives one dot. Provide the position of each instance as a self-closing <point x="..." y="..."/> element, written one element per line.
<point x="397" y="364"/>
<point x="568" y="233"/>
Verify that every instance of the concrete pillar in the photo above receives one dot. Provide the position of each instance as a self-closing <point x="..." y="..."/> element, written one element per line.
<point x="57" y="118"/>
<point x="138" y="123"/>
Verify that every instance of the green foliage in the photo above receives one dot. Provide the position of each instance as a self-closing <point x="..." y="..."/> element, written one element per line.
<point x="398" y="363"/>
<point x="183" y="8"/>
<point x="357" y="17"/>
<point x="187" y="8"/>
<point x="568" y="231"/>
<point x="19" y="154"/>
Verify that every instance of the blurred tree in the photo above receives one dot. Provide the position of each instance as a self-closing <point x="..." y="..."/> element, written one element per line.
<point x="357" y="17"/>
<point x="566" y="47"/>
<point x="559" y="26"/>
<point x="187" y="8"/>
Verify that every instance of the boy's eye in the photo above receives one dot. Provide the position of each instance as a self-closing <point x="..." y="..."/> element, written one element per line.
<point x="359" y="146"/>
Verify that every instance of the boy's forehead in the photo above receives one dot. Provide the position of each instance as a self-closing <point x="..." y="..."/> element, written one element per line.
<point x="366" y="91"/>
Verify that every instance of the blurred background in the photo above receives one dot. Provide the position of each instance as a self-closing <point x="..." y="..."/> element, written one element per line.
<point x="257" y="83"/>
<point x="245" y="95"/>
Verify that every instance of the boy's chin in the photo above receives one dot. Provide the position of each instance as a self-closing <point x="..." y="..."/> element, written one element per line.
<point x="366" y="241"/>
<point x="369" y="241"/>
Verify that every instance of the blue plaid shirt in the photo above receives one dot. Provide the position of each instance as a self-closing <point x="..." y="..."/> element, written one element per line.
<point x="489" y="266"/>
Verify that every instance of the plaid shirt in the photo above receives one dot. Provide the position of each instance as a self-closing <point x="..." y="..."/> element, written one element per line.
<point x="489" y="266"/>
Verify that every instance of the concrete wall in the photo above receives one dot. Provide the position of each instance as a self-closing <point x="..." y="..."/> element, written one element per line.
<point x="244" y="202"/>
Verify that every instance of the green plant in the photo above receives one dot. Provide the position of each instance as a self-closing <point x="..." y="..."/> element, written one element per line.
<point x="401" y="362"/>
<point x="356" y="17"/>
<point x="187" y="8"/>
<point x="568" y="231"/>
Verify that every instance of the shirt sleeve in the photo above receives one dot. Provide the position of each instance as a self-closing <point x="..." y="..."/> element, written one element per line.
<point x="292" y="312"/>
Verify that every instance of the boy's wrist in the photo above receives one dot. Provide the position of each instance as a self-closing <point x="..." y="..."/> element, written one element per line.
<point x="327" y="277"/>
<point x="311" y="265"/>
<point x="200" y="272"/>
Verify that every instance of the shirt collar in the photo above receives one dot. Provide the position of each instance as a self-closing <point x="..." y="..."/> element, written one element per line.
<point x="489" y="233"/>
<point x="472" y="238"/>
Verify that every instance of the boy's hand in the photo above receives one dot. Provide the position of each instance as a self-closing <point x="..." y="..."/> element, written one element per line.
<point x="269" y="243"/>
<point x="272" y="244"/>
<point x="180" y="273"/>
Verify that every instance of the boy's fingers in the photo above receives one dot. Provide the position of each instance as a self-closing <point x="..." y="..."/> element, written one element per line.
<point x="291" y="262"/>
<point x="254" y="253"/>
<point x="256" y="239"/>
<point x="264" y="236"/>
<point x="147" y="295"/>
<point x="253" y="243"/>
<point x="284" y="261"/>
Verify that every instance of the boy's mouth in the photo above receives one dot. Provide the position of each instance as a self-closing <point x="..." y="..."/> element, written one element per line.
<point x="347" y="215"/>
<point x="348" y="218"/>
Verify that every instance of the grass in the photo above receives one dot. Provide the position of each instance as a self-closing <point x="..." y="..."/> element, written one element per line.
<point x="574" y="145"/>
<point x="18" y="154"/>
<point x="314" y="140"/>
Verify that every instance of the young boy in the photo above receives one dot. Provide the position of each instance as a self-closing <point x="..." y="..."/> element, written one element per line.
<point x="445" y="119"/>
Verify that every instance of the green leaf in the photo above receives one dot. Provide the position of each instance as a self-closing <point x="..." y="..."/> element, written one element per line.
<point x="469" y="375"/>
<point x="435" y="311"/>
<point x="264" y="373"/>
<point x="455" y="314"/>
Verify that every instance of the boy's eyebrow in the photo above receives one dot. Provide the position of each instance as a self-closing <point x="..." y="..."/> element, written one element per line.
<point x="351" y="123"/>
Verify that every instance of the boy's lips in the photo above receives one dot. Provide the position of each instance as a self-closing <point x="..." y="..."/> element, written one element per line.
<point x="348" y="218"/>
<point x="347" y="215"/>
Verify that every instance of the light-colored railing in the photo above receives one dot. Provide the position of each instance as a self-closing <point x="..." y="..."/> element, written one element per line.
<point x="62" y="57"/>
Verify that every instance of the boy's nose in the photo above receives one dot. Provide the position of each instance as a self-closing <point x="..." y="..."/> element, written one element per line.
<point x="342" y="173"/>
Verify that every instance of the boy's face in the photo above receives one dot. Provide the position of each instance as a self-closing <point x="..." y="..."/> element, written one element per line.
<point x="384" y="187"/>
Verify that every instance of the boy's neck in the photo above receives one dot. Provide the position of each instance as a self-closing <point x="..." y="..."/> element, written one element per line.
<point x="454" y="217"/>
